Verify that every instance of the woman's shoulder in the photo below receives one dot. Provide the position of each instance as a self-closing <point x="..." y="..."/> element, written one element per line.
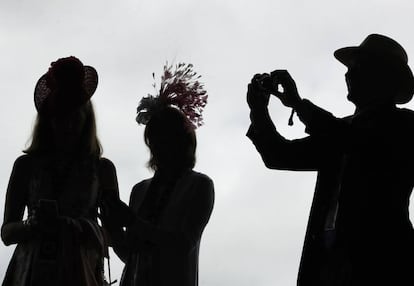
<point x="142" y="185"/>
<point x="200" y="177"/>
<point x="23" y="168"/>
<point x="106" y="163"/>
<point x="106" y="167"/>
<point x="23" y="158"/>
<point x="138" y="192"/>
<point x="202" y="188"/>
<point x="24" y="161"/>
<point x="202" y="181"/>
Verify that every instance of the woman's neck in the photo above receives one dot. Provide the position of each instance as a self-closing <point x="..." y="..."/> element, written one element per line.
<point x="171" y="173"/>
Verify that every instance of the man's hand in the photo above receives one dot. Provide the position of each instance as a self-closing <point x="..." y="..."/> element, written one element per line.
<point x="257" y="96"/>
<point x="289" y="96"/>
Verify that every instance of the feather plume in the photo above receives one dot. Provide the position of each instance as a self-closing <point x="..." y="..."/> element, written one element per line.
<point x="180" y="87"/>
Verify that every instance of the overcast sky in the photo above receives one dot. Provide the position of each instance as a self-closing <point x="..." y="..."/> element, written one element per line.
<point x="256" y="232"/>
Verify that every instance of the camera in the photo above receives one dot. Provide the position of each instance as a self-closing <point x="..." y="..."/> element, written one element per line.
<point x="269" y="83"/>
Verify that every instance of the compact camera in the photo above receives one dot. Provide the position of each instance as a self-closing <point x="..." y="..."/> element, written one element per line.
<point x="269" y="83"/>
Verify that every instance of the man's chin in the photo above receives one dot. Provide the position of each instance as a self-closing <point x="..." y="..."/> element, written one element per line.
<point x="350" y="97"/>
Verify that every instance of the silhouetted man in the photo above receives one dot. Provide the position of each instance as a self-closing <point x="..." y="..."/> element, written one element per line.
<point x="359" y="232"/>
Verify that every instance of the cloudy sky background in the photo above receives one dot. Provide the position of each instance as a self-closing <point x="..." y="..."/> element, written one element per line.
<point x="256" y="232"/>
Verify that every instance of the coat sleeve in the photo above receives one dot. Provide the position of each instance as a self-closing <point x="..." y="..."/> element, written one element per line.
<point x="348" y="134"/>
<point x="319" y="121"/>
<point x="199" y="211"/>
<point x="277" y="152"/>
<point x="110" y="217"/>
<point x="328" y="135"/>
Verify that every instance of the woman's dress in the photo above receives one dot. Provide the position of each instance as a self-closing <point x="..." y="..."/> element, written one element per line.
<point x="69" y="252"/>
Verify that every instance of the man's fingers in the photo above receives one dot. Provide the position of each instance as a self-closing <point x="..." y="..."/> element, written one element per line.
<point x="278" y="94"/>
<point x="256" y="76"/>
<point x="255" y="86"/>
<point x="278" y="72"/>
<point x="259" y="77"/>
<point x="251" y="89"/>
<point x="283" y="77"/>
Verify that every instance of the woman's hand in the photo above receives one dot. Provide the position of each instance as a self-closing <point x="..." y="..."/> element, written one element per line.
<point x="140" y="236"/>
<point x="52" y="225"/>
<point x="116" y="213"/>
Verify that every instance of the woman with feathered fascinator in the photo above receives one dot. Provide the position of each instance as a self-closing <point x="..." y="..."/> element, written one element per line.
<point x="172" y="208"/>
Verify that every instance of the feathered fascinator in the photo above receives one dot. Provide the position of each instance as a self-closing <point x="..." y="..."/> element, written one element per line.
<point x="180" y="87"/>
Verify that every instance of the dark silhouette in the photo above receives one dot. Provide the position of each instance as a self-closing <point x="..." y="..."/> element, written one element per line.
<point x="167" y="213"/>
<point x="61" y="181"/>
<point x="171" y="209"/>
<point x="359" y="232"/>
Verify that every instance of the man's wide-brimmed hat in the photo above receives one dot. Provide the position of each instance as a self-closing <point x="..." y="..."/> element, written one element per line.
<point x="387" y="54"/>
<point x="67" y="85"/>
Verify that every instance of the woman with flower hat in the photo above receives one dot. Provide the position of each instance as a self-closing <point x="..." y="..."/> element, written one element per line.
<point x="60" y="181"/>
<point x="172" y="208"/>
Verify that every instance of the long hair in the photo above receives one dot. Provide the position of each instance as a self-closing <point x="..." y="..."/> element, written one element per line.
<point x="171" y="140"/>
<point x="42" y="141"/>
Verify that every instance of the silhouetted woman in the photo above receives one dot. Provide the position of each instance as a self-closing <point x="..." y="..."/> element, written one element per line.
<point x="59" y="182"/>
<point x="173" y="207"/>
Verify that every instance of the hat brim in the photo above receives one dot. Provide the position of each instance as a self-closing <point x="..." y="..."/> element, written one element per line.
<point x="348" y="55"/>
<point x="42" y="91"/>
<point x="351" y="55"/>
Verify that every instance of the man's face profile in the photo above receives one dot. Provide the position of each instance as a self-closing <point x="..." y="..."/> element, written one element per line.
<point x="363" y="81"/>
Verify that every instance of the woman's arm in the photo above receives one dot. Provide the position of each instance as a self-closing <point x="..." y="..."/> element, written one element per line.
<point x="111" y="220"/>
<point x="198" y="212"/>
<point x="14" y="230"/>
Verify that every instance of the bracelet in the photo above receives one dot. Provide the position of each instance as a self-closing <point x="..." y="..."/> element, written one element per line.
<point x="27" y="223"/>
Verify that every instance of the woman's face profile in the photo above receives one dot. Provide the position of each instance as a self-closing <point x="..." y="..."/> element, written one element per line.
<point x="67" y="130"/>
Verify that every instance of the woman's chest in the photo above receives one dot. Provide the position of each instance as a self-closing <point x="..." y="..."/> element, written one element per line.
<point x="75" y="189"/>
<point x="165" y="206"/>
